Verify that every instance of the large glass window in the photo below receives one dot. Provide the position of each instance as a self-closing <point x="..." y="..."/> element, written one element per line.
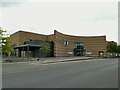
<point x="79" y="49"/>
<point x="79" y="45"/>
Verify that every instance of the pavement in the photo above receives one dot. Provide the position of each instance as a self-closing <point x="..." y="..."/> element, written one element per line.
<point x="63" y="59"/>
<point x="95" y="73"/>
<point x="53" y="60"/>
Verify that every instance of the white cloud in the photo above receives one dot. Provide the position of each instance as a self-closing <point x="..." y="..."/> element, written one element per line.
<point x="59" y="0"/>
<point x="70" y="18"/>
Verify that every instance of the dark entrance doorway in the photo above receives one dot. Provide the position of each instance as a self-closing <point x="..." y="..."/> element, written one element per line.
<point x="101" y="53"/>
<point x="79" y="49"/>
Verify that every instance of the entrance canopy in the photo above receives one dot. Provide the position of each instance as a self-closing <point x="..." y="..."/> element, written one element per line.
<point x="27" y="47"/>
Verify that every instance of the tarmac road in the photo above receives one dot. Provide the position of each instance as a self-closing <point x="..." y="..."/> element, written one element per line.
<point x="101" y="73"/>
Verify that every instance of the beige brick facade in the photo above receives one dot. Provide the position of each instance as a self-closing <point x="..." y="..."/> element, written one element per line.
<point x="93" y="45"/>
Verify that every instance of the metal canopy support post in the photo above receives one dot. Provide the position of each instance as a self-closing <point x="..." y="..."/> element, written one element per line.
<point x="27" y="52"/>
<point x="23" y="53"/>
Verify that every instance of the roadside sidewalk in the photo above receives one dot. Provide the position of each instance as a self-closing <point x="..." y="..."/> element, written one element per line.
<point x="62" y="59"/>
<point x="53" y="60"/>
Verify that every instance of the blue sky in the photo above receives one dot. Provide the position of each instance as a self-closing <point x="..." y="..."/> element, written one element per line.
<point x="76" y="18"/>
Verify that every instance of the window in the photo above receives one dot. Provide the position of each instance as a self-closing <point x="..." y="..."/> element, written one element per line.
<point x="65" y="43"/>
<point x="79" y="45"/>
<point x="79" y="49"/>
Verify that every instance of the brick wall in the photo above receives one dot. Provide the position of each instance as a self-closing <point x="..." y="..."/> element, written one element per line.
<point x="21" y="36"/>
<point x="92" y="44"/>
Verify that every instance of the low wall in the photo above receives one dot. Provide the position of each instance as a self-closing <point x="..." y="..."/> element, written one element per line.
<point x="17" y="59"/>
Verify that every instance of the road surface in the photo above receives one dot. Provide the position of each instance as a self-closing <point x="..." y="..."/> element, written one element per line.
<point x="99" y="73"/>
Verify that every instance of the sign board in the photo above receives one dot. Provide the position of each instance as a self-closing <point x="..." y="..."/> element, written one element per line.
<point x="70" y="52"/>
<point x="89" y="53"/>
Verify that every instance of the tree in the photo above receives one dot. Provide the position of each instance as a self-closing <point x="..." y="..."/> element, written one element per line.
<point x="118" y="49"/>
<point x="1" y="38"/>
<point x="5" y="43"/>
<point x="45" y="49"/>
<point x="7" y="47"/>
<point x="1" y="31"/>
<point x="112" y="47"/>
